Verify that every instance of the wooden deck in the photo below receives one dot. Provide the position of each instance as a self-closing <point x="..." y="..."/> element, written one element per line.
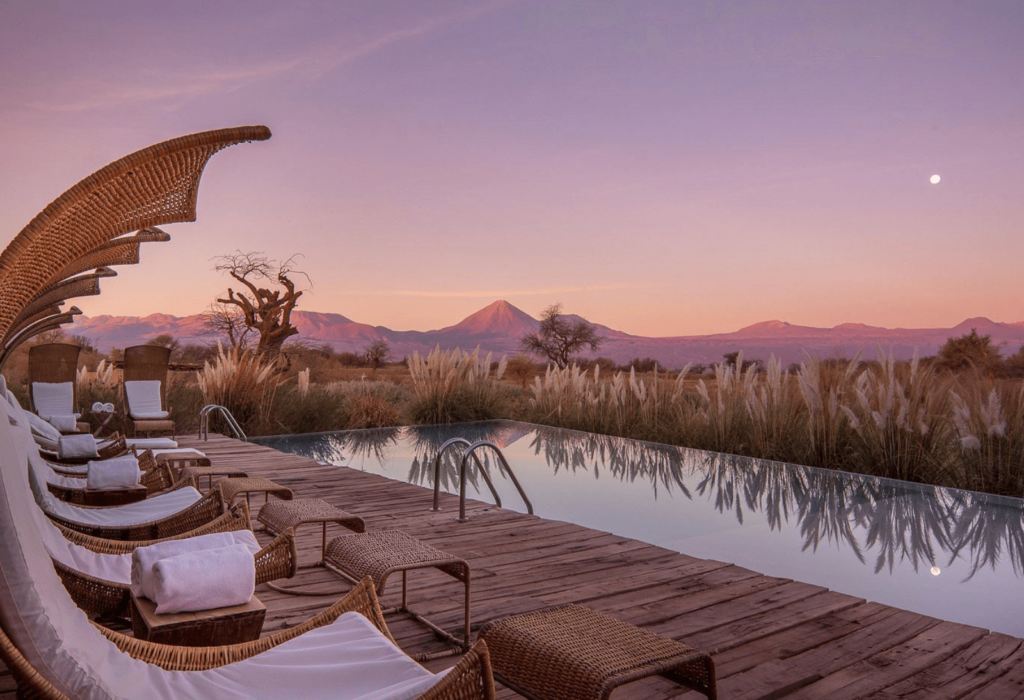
<point x="770" y="637"/>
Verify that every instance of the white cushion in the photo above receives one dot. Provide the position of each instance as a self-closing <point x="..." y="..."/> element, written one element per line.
<point x="115" y="473"/>
<point x="143" y="398"/>
<point x="47" y="445"/>
<point x="151" y="443"/>
<point x="42" y="428"/>
<point x="53" y="398"/>
<point x="143" y="558"/>
<point x="115" y="568"/>
<point x="181" y="453"/>
<point x="76" y="446"/>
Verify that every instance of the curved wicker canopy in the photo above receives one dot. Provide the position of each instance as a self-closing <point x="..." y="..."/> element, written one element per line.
<point x="86" y="229"/>
<point x="157" y="185"/>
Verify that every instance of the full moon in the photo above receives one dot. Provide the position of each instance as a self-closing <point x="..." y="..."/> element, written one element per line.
<point x="934" y="179"/>
<point x="935" y="571"/>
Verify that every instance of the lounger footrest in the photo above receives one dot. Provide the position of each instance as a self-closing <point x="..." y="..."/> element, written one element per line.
<point x="381" y="553"/>
<point x="572" y="651"/>
<point x="232" y="488"/>
<point x="279" y="516"/>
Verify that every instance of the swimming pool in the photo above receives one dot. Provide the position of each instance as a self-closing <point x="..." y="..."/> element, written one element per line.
<point x="956" y="555"/>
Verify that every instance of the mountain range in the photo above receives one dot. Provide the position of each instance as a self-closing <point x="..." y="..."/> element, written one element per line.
<point x="498" y="328"/>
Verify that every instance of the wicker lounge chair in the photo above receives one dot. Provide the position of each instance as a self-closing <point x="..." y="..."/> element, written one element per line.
<point x="55" y="365"/>
<point x="144" y="389"/>
<point x="53" y="651"/>
<point x="97" y="573"/>
<point x="156" y="477"/>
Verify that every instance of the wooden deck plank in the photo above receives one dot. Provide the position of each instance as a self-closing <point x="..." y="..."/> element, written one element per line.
<point x="770" y="636"/>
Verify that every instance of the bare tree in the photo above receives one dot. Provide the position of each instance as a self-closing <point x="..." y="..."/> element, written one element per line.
<point x="377" y="353"/>
<point x="227" y="320"/>
<point x="266" y="311"/>
<point x="558" y="337"/>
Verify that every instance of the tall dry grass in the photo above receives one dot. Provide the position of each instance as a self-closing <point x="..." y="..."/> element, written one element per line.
<point x="452" y="386"/>
<point x="244" y="383"/>
<point x="894" y="419"/>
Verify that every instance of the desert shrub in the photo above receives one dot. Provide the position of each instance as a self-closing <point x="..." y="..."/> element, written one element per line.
<point x="320" y="409"/>
<point x="374" y="404"/>
<point x="454" y="386"/>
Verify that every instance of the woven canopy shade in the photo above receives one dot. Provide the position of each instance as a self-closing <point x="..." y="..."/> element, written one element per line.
<point x="86" y="227"/>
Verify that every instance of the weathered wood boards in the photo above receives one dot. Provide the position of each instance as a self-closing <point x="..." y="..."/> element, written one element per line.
<point x="770" y="637"/>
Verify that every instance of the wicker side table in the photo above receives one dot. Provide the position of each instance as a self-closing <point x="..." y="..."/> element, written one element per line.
<point x="199" y="471"/>
<point x="231" y="488"/>
<point x="278" y="516"/>
<point x="572" y="653"/>
<point x="379" y="554"/>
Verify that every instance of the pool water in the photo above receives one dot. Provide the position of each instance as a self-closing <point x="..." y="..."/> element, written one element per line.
<point x="955" y="555"/>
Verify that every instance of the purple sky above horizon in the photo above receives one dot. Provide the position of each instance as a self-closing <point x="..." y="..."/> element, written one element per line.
<point x="663" y="168"/>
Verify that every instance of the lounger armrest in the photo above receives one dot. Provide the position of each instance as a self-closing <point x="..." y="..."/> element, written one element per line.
<point x="236" y="518"/>
<point x="279" y="559"/>
<point x="470" y="678"/>
<point x="97" y="597"/>
<point x="361" y="599"/>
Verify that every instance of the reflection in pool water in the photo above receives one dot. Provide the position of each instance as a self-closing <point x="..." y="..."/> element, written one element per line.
<point x="957" y="555"/>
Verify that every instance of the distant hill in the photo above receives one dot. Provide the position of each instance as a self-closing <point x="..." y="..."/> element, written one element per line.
<point x="499" y="326"/>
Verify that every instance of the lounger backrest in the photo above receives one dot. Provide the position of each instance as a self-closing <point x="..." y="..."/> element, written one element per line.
<point x="143" y="399"/>
<point x="146" y="363"/>
<point x="54" y="363"/>
<point x="53" y="399"/>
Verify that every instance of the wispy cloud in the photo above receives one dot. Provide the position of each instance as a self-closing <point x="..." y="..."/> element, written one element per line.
<point x="313" y="63"/>
<point x="485" y="293"/>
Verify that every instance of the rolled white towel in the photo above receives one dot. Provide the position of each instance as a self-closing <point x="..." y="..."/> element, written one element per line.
<point x="213" y="578"/>
<point x="83" y="445"/>
<point x="115" y="473"/>
<point x="143" y="558"/>
<point x="108" y="408"/>
<point x="65" y="424"/>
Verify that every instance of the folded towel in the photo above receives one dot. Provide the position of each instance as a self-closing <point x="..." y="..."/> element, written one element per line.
<point x="214" y="578"/>
<point x="114" y="473"/>
<point x="143" y="558"/>
<point x="100" y="407"/>
<point x="41" y="428"/>
<point x="83" y="445"/>
<point x="65" y="424"/>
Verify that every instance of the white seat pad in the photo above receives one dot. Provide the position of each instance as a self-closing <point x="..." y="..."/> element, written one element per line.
<point x="154" y="508"/>
<point x="151" y="443"/>
<point x="144" y="400"/>
<point x="53" y="398"/>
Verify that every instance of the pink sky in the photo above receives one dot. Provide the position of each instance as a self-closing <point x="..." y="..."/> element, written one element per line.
<point x="664" y="168"/>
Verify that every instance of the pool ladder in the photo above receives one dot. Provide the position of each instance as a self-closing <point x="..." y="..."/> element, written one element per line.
<point x="204" y="421"/>
<point x="471" y="449"/>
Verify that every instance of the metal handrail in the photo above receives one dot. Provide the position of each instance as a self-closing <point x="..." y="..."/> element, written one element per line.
<point x="204" y="421"/>
<point x="462" y="474"/>
<point x="504" y="464"/>
<point x="471" y="449"/>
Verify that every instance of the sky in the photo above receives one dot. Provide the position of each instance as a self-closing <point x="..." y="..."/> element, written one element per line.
<point x="661" y="167"/>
